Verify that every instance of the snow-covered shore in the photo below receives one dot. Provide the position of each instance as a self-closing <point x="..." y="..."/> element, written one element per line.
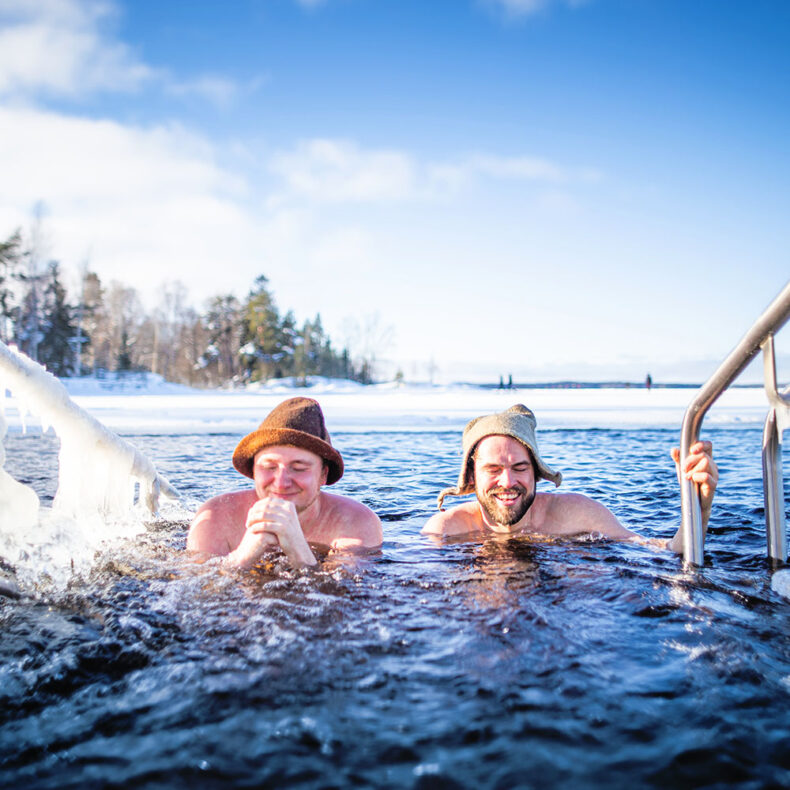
<point x="148" y="405"/>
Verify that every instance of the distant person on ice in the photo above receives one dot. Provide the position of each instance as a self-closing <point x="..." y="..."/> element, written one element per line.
<point x="289" y="457"/>
<point x="501" y="466"/>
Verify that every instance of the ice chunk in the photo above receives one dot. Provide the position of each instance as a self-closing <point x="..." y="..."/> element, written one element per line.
<point x="99" y="473"/>
<point x="780" y="582"/>
<point x="101" y="479"/>
<point x="18" y="503"/>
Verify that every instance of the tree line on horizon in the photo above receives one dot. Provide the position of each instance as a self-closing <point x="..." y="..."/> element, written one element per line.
<point x="106" y="329"/>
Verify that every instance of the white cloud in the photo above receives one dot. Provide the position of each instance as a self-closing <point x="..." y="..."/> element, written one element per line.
<point x="523" y="8"/>
<point x="531" y="169"/>
<point x="345" y="251"/>
<point x="149" y="204"/>
<point x="521" y="168"/>
<point x="78" y="158"/>
<point x="66" y="48"/>
<point x="337" y="171"/>
<point x="59" y="47"/>
<point x="217" y="90"/>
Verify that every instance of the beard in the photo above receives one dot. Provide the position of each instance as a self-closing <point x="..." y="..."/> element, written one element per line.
<point x="498" y="512"/>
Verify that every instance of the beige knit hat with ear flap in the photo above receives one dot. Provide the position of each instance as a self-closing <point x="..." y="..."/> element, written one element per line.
<point x="519" y="422"/>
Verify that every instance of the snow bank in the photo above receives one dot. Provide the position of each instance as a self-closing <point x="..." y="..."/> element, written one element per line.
<point x="350" y="406"/>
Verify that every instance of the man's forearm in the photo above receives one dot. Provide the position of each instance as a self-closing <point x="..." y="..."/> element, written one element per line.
<point x="676" y="543"/>
<point x="301" y="556"/>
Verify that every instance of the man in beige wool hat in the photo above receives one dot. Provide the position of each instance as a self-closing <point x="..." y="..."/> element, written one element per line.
<point x="289" y="458"/>
<point x="501" y="466"/>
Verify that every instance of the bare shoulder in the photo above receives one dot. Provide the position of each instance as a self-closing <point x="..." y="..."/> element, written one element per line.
<point x="350" y="522"/>
<point x="573" y="514"/>
<point x="462" y="519"/>
<point x="226" y="505"/>
<point x="219" y="523"/>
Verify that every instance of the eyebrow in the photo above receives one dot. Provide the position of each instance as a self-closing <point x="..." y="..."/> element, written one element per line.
<point x="297" y="462"/>
<point x="493" y="465"/>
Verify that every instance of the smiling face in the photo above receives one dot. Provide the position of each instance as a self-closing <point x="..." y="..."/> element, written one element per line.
<point x="289" y="473"/>
<point x="504" y="481"/>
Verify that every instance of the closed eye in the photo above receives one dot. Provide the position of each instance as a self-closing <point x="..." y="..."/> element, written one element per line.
<point x="496" y="470"/>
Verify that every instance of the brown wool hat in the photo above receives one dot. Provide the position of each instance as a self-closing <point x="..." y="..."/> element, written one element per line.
<point x="519" y="422"/>
<point x="296" y="422"/>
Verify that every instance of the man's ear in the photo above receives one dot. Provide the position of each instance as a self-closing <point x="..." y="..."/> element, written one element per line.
<point x="324" y="472"/>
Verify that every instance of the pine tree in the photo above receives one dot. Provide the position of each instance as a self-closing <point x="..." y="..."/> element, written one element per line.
<point x="262" y="347"/>
<point x="190" y="342"/>
<point x="56" y="349"/>
<point x="223" y="323"/>
<point x="29" y="327"/>
<point x="95" y="325"/>
<point x="124" y="362"/>
<point x="11" y="255"/>
<point x="125" y="317"/>
<point x="30" y="316"/>
<point x="230" y="341"/>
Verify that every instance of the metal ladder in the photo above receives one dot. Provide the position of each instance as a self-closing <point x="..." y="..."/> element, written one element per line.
<point x="760" y="336"/>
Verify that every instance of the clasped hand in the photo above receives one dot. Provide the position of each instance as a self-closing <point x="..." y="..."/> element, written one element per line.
<point x="273" y="522"/>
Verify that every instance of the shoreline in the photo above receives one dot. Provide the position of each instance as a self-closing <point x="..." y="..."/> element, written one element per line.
<point x="157" y="410"/>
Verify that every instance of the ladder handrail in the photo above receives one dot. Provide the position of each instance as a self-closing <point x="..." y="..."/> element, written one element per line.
<point x="771" y="321"/>
<point x="776" y="421"/>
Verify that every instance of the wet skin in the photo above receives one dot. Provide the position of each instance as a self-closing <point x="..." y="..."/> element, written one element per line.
<point x="288" y="483"/>
<point x="286" y="509"/>
<point x="507" y="504"/>
<point x="504" y="481"/>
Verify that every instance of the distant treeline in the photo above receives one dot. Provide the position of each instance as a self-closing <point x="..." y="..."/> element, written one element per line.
<point x="564" y="385"/>
<point x="107" y="329"/>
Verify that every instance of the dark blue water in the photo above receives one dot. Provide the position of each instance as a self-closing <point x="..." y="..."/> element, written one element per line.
<point x="510" y="663"/>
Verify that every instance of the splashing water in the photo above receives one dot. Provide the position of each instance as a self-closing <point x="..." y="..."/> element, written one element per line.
<point x="105" y="485"/>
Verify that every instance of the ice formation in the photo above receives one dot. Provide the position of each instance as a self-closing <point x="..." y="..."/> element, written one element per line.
<point x="100" y="476"/>
<point x="18" y="503"/>
<point x="780" y="582"/>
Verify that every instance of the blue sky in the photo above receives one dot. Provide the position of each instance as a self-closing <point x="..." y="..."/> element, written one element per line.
<point x="542" y="188"/>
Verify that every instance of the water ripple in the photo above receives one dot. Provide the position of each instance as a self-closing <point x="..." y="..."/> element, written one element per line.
<point x="504" y="663"/>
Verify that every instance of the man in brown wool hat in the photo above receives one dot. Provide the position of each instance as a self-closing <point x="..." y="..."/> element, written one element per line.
<point x="501" y="466"/>
<point x="290" y="456"/>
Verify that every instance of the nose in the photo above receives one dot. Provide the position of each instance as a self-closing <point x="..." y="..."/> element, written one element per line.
<point x="281" y="477"/>
<point x="506" y="478"/>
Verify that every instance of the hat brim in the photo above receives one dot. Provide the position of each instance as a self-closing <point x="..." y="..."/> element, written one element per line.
<point x="253" y="443"/>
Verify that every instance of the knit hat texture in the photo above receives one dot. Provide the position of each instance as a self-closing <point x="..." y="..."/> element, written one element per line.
<point x="518" y="422"/>
<point x="296" y="422"/>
